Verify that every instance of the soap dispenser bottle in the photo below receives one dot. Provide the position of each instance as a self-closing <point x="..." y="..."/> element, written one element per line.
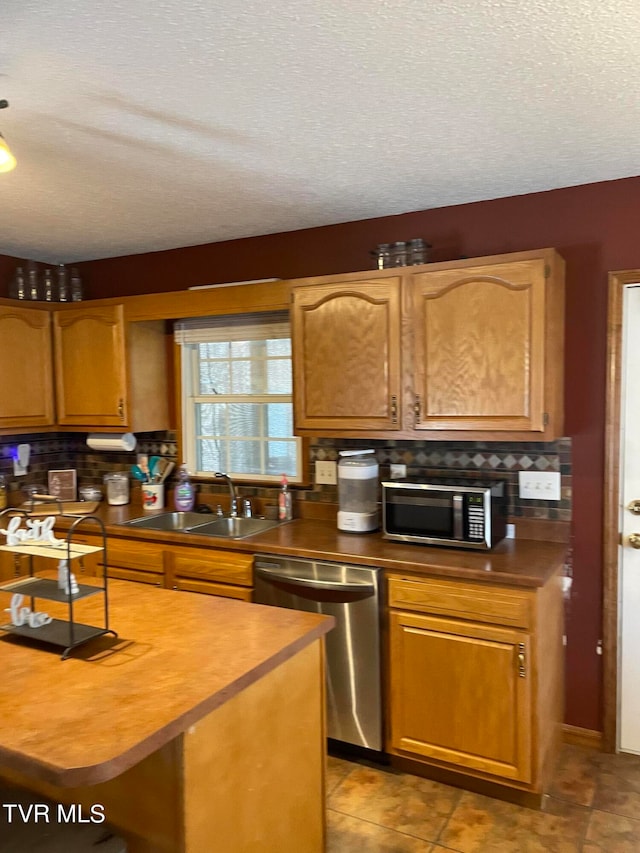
<point x="184" y="493"/>
<point x="285" y="508"/>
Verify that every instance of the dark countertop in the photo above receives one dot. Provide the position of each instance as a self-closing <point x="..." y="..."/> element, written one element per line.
<point x="516" y="562"/>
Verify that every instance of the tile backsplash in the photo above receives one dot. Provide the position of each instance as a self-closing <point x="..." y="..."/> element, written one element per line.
<point x="485" y="460"/>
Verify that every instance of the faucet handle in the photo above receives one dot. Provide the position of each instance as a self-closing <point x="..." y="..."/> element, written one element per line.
<point x="247" y="510"/>
<point x="219" y="510"/>
<point x="233" y="508"/>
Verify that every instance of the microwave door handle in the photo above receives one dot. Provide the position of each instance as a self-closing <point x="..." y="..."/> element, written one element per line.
<point x="457" y="517"/>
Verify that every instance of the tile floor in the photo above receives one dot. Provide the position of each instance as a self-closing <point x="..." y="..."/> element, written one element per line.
<point x="593" y="806"/>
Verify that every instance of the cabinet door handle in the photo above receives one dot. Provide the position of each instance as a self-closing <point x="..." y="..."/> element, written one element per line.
<point x="121" y="409"/>
<point x="394" y="409"/>
<point x="417" y="407"/>
<point x="522" y="673"/>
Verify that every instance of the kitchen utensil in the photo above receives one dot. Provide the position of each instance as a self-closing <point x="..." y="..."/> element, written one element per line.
<point x="169" y="468"/>
<point x="153" y="465"/>
<point x="138" y="473"/>
<point x="159" y="468"/>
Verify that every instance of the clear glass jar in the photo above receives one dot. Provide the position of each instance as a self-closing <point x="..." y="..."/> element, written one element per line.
<point x="33" y="283"/>
<point x="75" y="285"/>
<point x="117" y="486"/>
<point x="64" y="294"/>
<point x="18" y="287"/>
<point x="48" y="288"/>
<point x="417" y="251"/>
<point x="382" y="254"/>
<point x="399" y="254"/>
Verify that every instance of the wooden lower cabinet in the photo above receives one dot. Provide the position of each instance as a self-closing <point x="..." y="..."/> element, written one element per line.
<point x="205" y="570"/>
<point x="212" y="572"/>
<point x="476" y="678"/>
<point x="135" y="561"/>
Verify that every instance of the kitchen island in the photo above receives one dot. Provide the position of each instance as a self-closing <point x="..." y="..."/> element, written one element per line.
<point x="200" y="727"/>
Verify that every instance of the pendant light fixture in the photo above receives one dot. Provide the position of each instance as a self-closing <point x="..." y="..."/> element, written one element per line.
<point x="7" y="160"/>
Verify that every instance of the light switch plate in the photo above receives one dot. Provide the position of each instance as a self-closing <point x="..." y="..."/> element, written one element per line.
<point x="326" y="473"/>
<point x="539" y="485"/>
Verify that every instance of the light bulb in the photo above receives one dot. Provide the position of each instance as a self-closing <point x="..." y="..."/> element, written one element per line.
<point x="7" y="160"/>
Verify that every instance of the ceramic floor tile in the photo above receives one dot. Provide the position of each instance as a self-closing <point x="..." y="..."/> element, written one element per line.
<point x="396" y="801"/>
<point x="483" y="825"/>
<point x="337" y="769"/>
<point x="618" y="785"/>
<point x="575" y="776"/>
<point x="347" y="834"/>
<point x="608" y="833"/>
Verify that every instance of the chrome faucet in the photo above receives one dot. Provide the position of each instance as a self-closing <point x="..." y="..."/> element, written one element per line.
<point x="233" y="509"/>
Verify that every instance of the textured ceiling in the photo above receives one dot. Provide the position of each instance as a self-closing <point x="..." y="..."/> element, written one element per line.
<point x="141" y="125"/>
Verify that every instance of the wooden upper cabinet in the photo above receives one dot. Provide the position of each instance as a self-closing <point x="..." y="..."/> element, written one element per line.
<point x="26" y="375"/>
<point x="346" y="355"/>
<point x="488" y="346"/>
<point x="109" y="374"/>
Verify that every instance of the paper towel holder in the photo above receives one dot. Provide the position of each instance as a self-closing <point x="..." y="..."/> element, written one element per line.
<point x="112" y="442"/>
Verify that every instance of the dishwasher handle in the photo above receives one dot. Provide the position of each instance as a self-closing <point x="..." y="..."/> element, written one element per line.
<point x="363" y="589"/>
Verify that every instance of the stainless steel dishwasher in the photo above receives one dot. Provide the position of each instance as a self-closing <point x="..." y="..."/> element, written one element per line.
<point x="352" y="595"/>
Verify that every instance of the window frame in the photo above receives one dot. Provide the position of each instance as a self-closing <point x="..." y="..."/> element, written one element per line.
<point x="187" y="401"/>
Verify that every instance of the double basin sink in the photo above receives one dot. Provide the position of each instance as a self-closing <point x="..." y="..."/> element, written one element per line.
<point x="195" y="522"/>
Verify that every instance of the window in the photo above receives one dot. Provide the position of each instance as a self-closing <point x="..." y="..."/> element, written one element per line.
<point x="237" y="410"/>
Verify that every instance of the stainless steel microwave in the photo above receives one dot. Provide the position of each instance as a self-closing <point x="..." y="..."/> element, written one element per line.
<point x="460" y="514"/>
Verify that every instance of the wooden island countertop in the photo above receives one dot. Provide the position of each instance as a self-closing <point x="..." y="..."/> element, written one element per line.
<point x="144" y="711"/>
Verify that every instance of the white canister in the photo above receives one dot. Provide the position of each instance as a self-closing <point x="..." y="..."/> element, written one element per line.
<point x="152" y="496"/>
<point x="358" y="473"/>
<point x="117" y="486"/>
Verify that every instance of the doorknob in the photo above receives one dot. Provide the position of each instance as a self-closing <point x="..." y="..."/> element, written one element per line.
<point x="634" y="507"/>
<point x="634" y="540"/>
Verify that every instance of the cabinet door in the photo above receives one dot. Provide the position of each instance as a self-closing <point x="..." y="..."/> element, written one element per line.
<point x="460" y="694"/>
<point x="90" y="366"/>
<point x="26" y="376"/>
<point x="142" y="562"/>
<point x="346" y="355"/>
<point x="480" y="347"/>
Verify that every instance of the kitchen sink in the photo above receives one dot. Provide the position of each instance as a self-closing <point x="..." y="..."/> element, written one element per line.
<point x="167" y="521"/>
<point x="196" y="522"/>
<point x="233" y="528"/>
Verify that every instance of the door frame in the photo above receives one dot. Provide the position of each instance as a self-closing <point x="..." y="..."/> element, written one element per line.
<point x="618" y="281"/>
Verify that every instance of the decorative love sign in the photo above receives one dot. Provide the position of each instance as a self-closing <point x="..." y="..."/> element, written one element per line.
<point x="37" y="530"/>
<point x="24" y="615"/>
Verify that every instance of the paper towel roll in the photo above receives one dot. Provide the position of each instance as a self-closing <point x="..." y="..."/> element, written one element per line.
<point x="97" y="441"/>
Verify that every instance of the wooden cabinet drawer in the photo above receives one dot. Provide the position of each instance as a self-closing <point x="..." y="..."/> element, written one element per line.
<point x="133" y="575"/>
<point x="223" y="566"/>
<point x="460" y="600"/>
<point x="143" y="557"/>
<point x="211" y="588"/>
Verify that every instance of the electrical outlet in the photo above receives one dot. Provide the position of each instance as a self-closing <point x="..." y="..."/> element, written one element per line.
<point x="539" y="485"/>
<point x="397" y="471"/>
<point x="326" y="473"/>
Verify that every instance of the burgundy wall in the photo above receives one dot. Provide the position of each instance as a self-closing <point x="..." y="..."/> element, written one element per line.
<point x="594" y="227"/>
